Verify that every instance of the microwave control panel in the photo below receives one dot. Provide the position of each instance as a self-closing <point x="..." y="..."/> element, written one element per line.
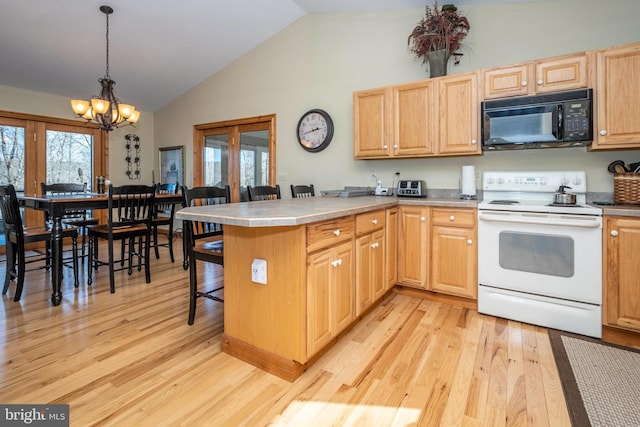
<point x="577" y="121"/>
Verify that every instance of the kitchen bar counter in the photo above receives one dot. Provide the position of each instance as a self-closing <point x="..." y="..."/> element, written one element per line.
<point x="268" y="325"/>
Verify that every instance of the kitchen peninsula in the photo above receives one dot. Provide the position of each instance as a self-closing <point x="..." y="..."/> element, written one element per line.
<point x="312" y="256"/>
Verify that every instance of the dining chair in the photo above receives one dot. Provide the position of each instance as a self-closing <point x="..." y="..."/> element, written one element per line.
<point x="300" y="191"/>
<point x="263" y="192"/>
<point x="130" y="211"/>
<point x="203" y="241"/>
<point x="17" y="237"/>
<point x="163" y="216"/>
<point x="80" y="218"/>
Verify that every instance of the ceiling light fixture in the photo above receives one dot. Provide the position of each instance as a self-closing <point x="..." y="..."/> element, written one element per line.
<point x="106" y="109"/>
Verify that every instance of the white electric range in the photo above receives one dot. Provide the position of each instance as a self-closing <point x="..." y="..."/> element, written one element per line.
<point x="540" y="262"/>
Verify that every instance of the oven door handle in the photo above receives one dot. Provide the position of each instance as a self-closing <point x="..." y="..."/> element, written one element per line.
<point x="587" y="222"/>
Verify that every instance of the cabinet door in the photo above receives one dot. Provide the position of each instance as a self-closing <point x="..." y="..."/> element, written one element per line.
<point x="622" y="272"/>
<point x="459" y="111"/>
<point x="453" y="268"/>
<point x="415" y="116"/>
<point x="413" y="255"/>
<point x="391" y="248"/>
<point x="364" y="290"/>
<point x="506" y="81"/>
<point x="319" y="278"/>
<point x="342" y="309"/>
<point x="564" y="73"/>
<point x="617" y="98"/>
<point x="372" y="123"/>
<point x="378" y="247"/>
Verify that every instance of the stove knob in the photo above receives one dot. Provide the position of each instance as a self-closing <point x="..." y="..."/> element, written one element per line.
<point x="577" y="180"/>
<point x="500" y="181"/>
<point x="490" y="180"/>
<point x="564" y="181"/>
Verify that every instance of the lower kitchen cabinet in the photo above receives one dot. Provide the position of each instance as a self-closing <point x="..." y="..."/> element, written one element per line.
<point x="370" y="283"/>
<point x="454" y="252"/>
<point x="621" y="302"/>
<point x="370" y="258"/>
<point x="330" y="294"/>
<point x="413" y="247"/>
<point x="438" y="250"/>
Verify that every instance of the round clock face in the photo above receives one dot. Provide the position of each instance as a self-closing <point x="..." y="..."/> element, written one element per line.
<point x="315" y="130"/>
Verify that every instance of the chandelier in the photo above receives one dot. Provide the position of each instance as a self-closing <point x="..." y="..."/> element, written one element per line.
<point x="106" y="109"/>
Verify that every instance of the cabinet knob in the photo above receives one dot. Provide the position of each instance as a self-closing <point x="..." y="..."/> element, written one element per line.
<point x="540" y="82"/>
<point x="395" y="146"/>
<point x="423" y="219"/>
<point x="385" y="146"/>
<point x="452" y="218"/>
<point x="336" y="262"/>
<point x="336" y="232"/>
<point x="469" y="242"/>
<point x="614" y="233"/>
<point x="474" y="142"/>
<point x="603" y="132"/>
<point x="375" y="245"/>
<point x="524" y="83"/>
<point x="374" y="221"/>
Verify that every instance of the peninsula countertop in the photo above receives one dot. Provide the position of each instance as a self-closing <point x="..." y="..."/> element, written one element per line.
<point x="291" y="212"/>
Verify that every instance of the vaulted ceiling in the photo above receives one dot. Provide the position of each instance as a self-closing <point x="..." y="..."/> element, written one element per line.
<point x="158" y="49"/>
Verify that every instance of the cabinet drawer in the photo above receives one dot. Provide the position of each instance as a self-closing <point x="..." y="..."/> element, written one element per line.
<point x="370" y="221"/>
<point x="327" y="233"/>
<point x="453" y="217"/>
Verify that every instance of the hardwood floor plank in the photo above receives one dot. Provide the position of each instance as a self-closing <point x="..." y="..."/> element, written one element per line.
<point x="130" y="358"/>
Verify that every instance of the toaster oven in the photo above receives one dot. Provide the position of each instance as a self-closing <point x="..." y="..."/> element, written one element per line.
<point x="409" y="188"/>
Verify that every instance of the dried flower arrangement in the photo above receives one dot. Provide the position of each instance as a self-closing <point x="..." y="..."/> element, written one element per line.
<point x="440" y="29"/>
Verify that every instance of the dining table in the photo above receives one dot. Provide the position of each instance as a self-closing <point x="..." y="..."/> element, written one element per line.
<point x="57" y="205"/>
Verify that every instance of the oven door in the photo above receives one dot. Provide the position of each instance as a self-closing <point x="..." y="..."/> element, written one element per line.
<point x="553" y="255"/>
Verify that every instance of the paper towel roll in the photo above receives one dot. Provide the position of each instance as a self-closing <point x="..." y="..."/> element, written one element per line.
<point x="468" y="187"/>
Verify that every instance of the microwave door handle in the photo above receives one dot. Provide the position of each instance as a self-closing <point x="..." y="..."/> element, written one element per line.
<point x="559" y="123"/>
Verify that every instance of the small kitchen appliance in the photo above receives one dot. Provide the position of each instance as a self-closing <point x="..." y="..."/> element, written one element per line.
<point x="540" y="262"/>
<point x="408" y="188"/>
<point x="561" y="119"/>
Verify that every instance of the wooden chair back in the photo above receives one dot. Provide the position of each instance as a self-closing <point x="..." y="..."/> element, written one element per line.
<point x="130" y="205"/>
<point x="263" y="192"/>
<point x="299" y="191"/>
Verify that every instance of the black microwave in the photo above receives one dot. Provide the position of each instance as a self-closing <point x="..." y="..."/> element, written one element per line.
<point x="561" y="119"/>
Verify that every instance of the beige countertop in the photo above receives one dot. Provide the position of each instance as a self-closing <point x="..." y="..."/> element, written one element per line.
<point x="289" y="212"/>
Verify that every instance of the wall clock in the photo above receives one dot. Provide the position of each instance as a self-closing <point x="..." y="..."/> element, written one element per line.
<point x="315" y="130"/>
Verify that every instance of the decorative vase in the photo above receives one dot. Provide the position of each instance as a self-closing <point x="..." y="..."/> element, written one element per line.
<point x="438" y="60"/>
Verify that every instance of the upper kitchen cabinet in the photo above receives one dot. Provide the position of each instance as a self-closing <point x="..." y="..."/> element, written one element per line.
<point x="617" y="98"/>
<point x="372" y="123"/>
<point x="396" y="121"/>
<point x="459" y="112"/>
<point x="549" y="75"/>
<point x="415" y="118"/>
<point x="427" y="118"/>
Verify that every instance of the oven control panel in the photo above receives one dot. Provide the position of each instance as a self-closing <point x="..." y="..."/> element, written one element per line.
<point x="534" y="181"/>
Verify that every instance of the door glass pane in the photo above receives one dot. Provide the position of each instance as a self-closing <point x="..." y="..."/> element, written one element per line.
<point x="216" y="160"/>
<point x="12" y="156"/>
<point x="11" y="162"/>
<point x="69" y="158"/>
<point x="254" y="160"/>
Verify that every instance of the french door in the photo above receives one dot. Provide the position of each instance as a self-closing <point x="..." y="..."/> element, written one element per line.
<point x="235" y="153"/>
<point x="36" y="149"/>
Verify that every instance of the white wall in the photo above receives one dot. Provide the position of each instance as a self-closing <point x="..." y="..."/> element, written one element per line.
<point x="321" y="59"/>
<point x="43" y="104"/>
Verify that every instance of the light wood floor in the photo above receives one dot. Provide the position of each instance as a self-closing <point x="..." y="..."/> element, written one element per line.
<point x="130" y="358"/>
